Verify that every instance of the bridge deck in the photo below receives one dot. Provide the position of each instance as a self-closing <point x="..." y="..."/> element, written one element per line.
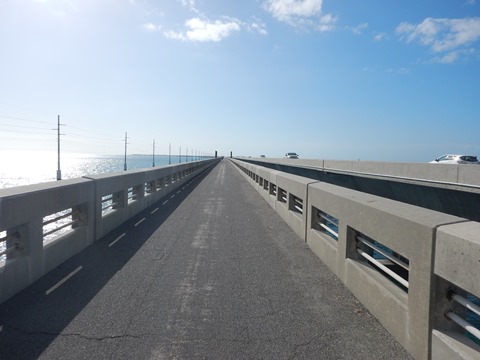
<point x="212" y="272"/>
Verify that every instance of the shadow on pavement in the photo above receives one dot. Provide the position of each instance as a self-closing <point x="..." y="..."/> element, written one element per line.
<point x="32" y="319"/>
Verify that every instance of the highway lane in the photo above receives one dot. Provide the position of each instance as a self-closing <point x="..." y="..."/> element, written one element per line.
<point x="209" y="272"/>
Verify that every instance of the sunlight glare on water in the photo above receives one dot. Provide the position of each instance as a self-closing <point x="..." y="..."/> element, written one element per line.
<point x="24" y="167"/>
<point x="19" y="168"/>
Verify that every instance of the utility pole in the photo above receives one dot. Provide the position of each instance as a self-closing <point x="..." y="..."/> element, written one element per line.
<point x="153" y="163"/>
<point x="59" y="172"/>
<point x="125" y="161"/>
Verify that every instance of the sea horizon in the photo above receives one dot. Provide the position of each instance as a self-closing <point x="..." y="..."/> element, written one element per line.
<point x="19" y="168"/>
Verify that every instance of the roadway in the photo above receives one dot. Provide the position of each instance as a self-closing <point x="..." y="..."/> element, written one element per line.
<point x="210" y="272"/>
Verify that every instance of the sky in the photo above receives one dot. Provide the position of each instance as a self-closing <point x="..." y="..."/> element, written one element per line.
<point x="370" y="80"/>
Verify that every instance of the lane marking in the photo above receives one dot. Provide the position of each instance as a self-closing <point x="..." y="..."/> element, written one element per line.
<point x="138" y="223"/>
<point x="171" y="197"/>
<point x="118" y="238"/>
<point x="154" y="211"/>
<point x="165" y="202"/>
<point x="61" y="282"/>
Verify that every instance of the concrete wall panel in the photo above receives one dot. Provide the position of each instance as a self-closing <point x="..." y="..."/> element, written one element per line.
<point x="457" y="257"/>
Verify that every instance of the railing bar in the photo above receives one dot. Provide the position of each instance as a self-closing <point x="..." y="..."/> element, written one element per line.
<point x="387" y="255"/>
<point x="329" y="220"/>
<point x="8" y="237"/>
<point x="328" y="229"/>
<point x="71" y="213"/>
<point x="9" y="250"/>
<point x="298" y="208"/>
<point x="108" y="206"/>
<point x="464" y="324"/>
<point x="60" y="227"/>
<point x="58" y="218"/>
<point x="467" y="303"/>
<point x="383" y="268"/>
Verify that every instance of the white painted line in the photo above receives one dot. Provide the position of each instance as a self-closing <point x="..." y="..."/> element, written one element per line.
<point x="138" y="223"/>
<point x="154" y="211"/>
<point x="171" y="197"/>
<point x="114" y="241"/>
<point x="165" y="202"/>
<point x="178" y="192"/>
<point x="61" y="282"/>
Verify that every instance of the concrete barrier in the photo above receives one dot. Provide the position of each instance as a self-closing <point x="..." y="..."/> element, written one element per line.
<point x="465" y="174"/>
<point x="456" y="269"/>
<point x="430" y="254"/>
<point x="43" y="225"/>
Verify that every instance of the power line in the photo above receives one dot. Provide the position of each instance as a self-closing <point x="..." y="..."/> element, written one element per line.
<point x="23" y="119"/>
<point x="23" y="127"/>
<point x="24" y="132"/>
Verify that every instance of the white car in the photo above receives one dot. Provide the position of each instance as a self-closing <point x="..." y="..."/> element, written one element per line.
<point x="291" y="155"/>
<point x="456" y="159"/>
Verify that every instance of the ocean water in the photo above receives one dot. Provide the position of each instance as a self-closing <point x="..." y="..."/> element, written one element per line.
<point x="19" y="168"/>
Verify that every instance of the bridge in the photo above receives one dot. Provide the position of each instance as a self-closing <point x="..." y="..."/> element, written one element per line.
<point x="243" y="258"/>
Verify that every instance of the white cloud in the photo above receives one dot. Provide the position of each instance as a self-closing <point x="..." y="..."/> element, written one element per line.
<point x="452" y="56"/>
<point x="187" y="3"/>
<point x="190" y="4"/>
<point x="203" y="30"/>
<point x="257" y="26"/>
<point x="326" y="23"/>
<point x="283" y="10"/>
<point x="301" y="13"/>
<point x="359" y="28"/>
<point x="170" y="34"/>
<point x="443" y="35"/>
<point x="380" y="36"/>
<point x="151" y="27"/>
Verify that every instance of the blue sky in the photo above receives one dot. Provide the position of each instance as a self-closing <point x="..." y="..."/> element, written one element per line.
<point x="369" y="80"/>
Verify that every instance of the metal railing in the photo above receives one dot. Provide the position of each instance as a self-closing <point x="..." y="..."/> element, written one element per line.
<point x="4" y="249"/>
<point x="273" y="189"/>
<point x="325" y="223"/>
<point x="384" y="259"/>
<point x="296" y="204"/>
<point x="282" y="195"/>
<point x="265" y="185"/>
<point x="54" y="223"/>
<point x="110" y="202"/>
<point x="463" y="323"/>
<point x="133" y="193"/>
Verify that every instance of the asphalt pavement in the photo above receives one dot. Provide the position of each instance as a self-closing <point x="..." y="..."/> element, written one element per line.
<point x="209" y="272"/>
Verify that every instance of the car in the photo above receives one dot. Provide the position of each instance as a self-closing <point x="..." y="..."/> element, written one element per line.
<point x="291" y="155"/>
<point x="456" y="159"/>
